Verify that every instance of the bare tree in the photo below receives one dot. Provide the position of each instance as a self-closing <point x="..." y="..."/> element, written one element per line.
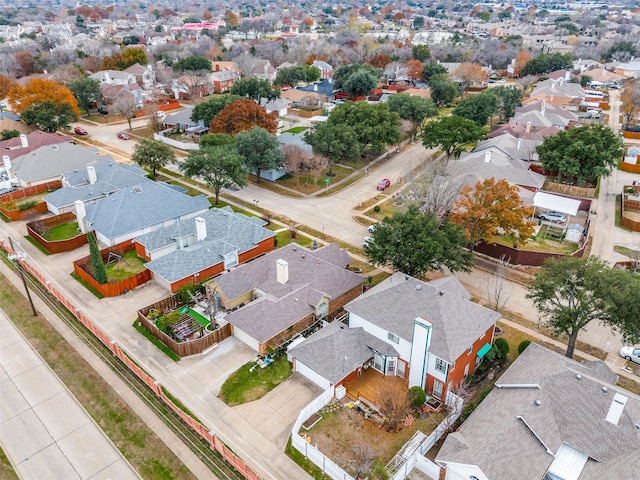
<point x="437" y="189"/>
<point x="526" y="81"/>
<point x="393" y="401"/>
<point x="359" y="457"/>
<point x="194" y="84"/>
<point x="294" y="160"/>
<point x="497" y="291"/>
<point x="246" y="63"/>
<point x="316" y="166"/>
<point x="124" y="105"/>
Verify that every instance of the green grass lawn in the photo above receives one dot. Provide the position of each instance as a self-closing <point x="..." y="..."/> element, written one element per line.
<point x="245" y="385"/>
<point x="201" y="320"/>
<point x="6" y="469"/>
<point x="296" y="130"/>
<point x="130" y="265"/>
<point x="62" y="232"/>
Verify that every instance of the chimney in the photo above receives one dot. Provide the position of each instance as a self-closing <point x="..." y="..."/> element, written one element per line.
<point x="519" y="143"/>
<point x="201" y="229"/>
<point x="7" y="162"/>
<point x="91" y="174"/>
<point x="315" y="88"/>
<point x="282" y="271"/>
<point x="616" y="408"/>
<point x="81" y="212"/>
<point x="528" y="129"/>
<point x="217" y="67"/>
<point x="487" y="156"/>
<point x="567" y="75"/>
<point x="24" y="141"/>
<point x="543" y="107"/>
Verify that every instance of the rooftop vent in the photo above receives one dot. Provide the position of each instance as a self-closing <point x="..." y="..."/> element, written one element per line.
<point x="616" y="408"/>
<point x="441" y="293"/>
<point x="538" y="403"/>
<point x="418" y="288"/>
<point x="137" y="189"/>
<point x="579" y="377"/>
<point x="604" y="389"/>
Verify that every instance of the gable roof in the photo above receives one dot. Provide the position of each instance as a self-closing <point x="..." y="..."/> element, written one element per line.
<point x="311" y="277"/>
<point x="35" y="139"/>
<point x="182" y="117"/>
<point x="336" y="350"/>
<point x="395" y="303"/>
<point x="144" y="205"/>
<point x="227" y="232"/>
<point x="543" y="402"/>
<point x="52" y="161"/>
<point x="558" y="88"/>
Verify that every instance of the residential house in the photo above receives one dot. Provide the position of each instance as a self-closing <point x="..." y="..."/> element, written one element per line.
<point x="99" y="179"/>
<point x="48" y="163"/>
<point x="325" y="87"/>
<point x="197" y="248"/>
<point x="278" y="105"/>
<point x="111" y="93"/>
<point x="114" y="77"/>
<point x="223" y="80"/>
<point x="540" y="115"/>
<point x="180" y="120"/>
<point x="288" y="139"/>
<point x="558" y="92"/>
<point x="263" y="70"/>
<point x="326" y="70"/>
<point x="136" y="210"/>
<point x="305" y="100"/>
<point x="143" y="74"/>
<point x="548" y="417"/>
<point x="275" y="297"/>
<point x="189" y="86"/>
<point x="630" y="68"/>
<point x="429" y="333"/>
<point x="219" y="65"/>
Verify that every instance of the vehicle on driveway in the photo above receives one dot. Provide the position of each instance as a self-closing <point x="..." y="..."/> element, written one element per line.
<point x="384" y="184"/>
<point x="80" y="131"/>
<point x="366" y="240"/>
<point x="123" y="136"/>
<point x="372" y="227"/>
<point x="553" y="217"/>
<point x="631" y="354"/>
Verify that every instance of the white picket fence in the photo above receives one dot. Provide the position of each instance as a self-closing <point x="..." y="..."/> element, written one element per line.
<point x="417" y="459"/>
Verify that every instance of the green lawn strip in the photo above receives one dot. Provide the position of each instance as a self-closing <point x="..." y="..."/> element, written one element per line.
<point x="6" y="469"/>
<point x="377" y="278"/>
<point x="180" y="405"/>
<point x="30" y="239"/>
<point x="161" y="346"/>
<point x="137" y="442"/>
<point x="62" y="232"/>
<point x="627" y="252"/>
<point x="201" y="319"/>
<point x="274" y="187"/>
<point x="349" y="181"/>
<point x="296" y="130"/>
<point x="247" y="384"/>
<point x="304" y="463"/>
<point x="86" y="285"/>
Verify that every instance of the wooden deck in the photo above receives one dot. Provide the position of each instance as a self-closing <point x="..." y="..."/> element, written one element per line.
<point x="367" y="385"/>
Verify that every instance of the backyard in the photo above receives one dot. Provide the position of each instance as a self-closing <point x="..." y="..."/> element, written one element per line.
<point x="61" y="232"/>
<point x="252" y="381"/>
<point x="120" y="267"/>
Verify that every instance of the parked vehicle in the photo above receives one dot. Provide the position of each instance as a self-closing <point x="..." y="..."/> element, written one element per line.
<point x="384" y="184"/>
<point x="553" y="217"/>
<point x="631" y="354"/>
<point x="80" y="131"/>
<point x="366" y="240"/>
<point x="372" y="227"/>
<point x="123" y="136"/>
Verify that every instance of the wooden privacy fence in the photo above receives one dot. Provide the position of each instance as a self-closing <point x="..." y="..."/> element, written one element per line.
<point x="522" y="257"/>
<point x="38" y="228"/>
<point x="26" y="192"/>
<point x="214" y="442"/>
<point x="627" y="205"/>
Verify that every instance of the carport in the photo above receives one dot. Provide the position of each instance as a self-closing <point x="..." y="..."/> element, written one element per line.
<point x="547" y="201"/>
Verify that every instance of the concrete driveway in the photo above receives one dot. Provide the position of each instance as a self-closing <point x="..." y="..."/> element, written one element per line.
<point x="275" y="413"/>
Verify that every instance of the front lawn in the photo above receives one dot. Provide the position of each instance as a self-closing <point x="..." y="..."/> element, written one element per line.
<point x="296" y="130"/>
<point x="250" y="382"/>
<point x="306" y="182"/>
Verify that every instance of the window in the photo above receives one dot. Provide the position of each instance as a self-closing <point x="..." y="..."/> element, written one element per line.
<point x="402" y="368"/>
<point x="441" y="365"/>
<point x="378" y="362"/>
<point x="393" y="338"/>
<point x="466" y="370"/>
<point x="230" y="259"/>
<point x="470" y="349"/>
<point x="453" y="366"/>
<point x="437" y="389"/>
<point x="322" y="310"/>
<point x="391" y="366"/>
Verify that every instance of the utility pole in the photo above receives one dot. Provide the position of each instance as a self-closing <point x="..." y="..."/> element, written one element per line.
<point x="16" y="258"/>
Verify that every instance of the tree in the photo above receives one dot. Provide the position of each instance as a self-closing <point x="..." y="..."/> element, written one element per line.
<point x="490" y="208"/>
<point x="193" y="83"/>
<point x="254" y="89"/>
<point x="431" y="69"/>
<point x="343" y="73"/>
<point x="338" y="143"/>
<point x="7" y="134"/>
<point x="451" y="134"/>
<point x="6" y="83"/>
<point x="547" y="62"/>
<point x="380" y="60"/>
<point x="153" y="154"/>
<point x="437" y="189"/>
<point x="298" y="73"/>
<point x="414" y="243"/>
<point x="124" y="105"/>
<point x="208" y="109"/>
<point x="414" y="70"/>
<point x="630" y="98"/>
<point x="412" y="108"/>
<point x="469" y="73"/>
<point x="443" y="89"/>
<point x="477" y="108"/>
<point x="124" y="59"/>
<point x="509" y="97"/>
<point x="243" y="115"/>
<point x="393" y="400"/>
<point x="219" y="166"/>
<point x="49" y="116"/>
<point x="99" y="272"/>
<point x="571" y="292"/>
<point x="522" y="57"/>
<point x="214" y="140"/>
<point x="259" y="149"/>
<point x="195" y="63"/>
<point x="621" y="51"/>
<point x="38" y="91"/>
<point x="374" y="125"/>
<point x="86" y="91"/>
<point x="581" y="153"/>
<point x="360" y="84"/>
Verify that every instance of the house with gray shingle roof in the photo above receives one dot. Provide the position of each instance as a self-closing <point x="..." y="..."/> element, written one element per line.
<point x="136" y="210"/>
<point x="438" y="334"/>
<point x="549" y="417"/>
<point x="89" y="184"/>
<point x="197" y="248"/>
<point x="275" y="297"/>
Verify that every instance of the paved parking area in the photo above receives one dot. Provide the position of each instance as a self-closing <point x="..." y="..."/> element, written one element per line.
<point x="44" y="431"/>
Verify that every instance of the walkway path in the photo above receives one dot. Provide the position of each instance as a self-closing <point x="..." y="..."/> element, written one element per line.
<point x="44" y="431"/>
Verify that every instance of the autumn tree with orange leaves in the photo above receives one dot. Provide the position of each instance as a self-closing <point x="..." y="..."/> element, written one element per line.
<point x="490" y="208"/>
<point x="38" y="91"/>
<point x="522" y="57"/>
<point x="414" y="70"/>
<point x="5" y="85"/>
<point x="242" y="115"/>
<point x="469" y="73"/>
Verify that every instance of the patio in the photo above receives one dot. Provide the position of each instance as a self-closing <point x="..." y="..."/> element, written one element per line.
<point x="367" y="386"/>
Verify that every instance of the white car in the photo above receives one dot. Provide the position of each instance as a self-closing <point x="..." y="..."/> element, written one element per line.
<point x="372" y="227"/>
<point x="367" y="240"/>
<point x="630" y="353"/>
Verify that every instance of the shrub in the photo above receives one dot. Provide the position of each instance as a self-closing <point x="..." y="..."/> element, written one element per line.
<point x="417" y="396"/>
<point x="184" y="293"/>
<point x="490" y="356"/>
<point x="523" y="344"/>
<point x="99" y="272"/>
<point x="376" y="209"/>
<point x="502" y="346"/>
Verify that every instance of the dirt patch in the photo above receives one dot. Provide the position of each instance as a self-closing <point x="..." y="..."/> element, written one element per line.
<point x="354" y="443"/>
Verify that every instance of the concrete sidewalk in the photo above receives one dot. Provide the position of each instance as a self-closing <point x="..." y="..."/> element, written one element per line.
<point x="44" y="431"/>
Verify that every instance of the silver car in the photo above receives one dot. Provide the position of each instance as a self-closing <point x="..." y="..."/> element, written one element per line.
<point x="553" y="217"/>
